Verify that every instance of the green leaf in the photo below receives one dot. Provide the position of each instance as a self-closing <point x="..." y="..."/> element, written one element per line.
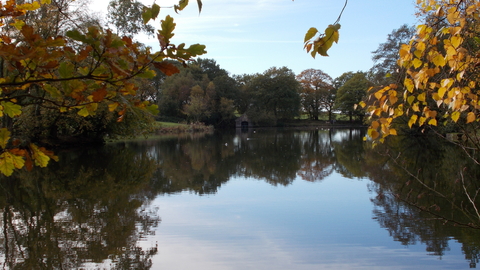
<point x="155" y="11"/>
<point x="197" y="49"/>
<point x="66" y="69"/>
<point x="153" y="109"/>
<point x="310" y="34"/>
<point x="4" y="137"/>
<point x="181" y="5"/>
<point x="52" y="90"/>
<point x="76" y="35"/>
<point x="117" y="43"/>
<point x="149" y="74"/>
<point x="147" y="15"/>
<point x="11" y="109"/>
<point x="331" y="33"/>
<point x="167" y="25"/>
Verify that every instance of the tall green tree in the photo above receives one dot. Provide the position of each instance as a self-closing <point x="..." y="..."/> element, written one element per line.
<point x="175" y="93"/>
<point x="126" y="17"/>
<point x="276" y="96"/>
<point x="352" y="92"/>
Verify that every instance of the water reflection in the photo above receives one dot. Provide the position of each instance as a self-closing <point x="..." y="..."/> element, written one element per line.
<point x="92" y="208"/>
<point x="88" y="208"/>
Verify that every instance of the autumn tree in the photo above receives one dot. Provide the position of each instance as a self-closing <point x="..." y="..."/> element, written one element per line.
<point x="316" y="92"/>
<point x="441" y="81"/>
<point x="85" y="71"/>
<point x="352" y="92"/>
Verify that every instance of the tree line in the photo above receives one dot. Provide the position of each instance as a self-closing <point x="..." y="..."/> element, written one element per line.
<point x="205" y="92"/>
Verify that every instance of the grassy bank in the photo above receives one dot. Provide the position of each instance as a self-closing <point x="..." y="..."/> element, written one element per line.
<point x="176" y="128"/>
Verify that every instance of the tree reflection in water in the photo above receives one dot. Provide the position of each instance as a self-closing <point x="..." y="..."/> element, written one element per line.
<point x="420" y="195"/>
<point x="87" y="209"/>
<point x="92" y="207"/>
<point x="422" y="186"/>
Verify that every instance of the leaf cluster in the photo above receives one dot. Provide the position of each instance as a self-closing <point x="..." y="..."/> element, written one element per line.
<point x="441" y="63"/>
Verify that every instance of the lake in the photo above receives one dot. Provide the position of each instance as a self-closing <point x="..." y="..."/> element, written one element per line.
<point x="260" y="199"/>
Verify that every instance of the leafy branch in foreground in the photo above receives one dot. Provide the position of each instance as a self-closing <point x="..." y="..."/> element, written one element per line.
<point x="441" y="64"/>
<point x="324" y="41"/>
<point x="73" y="73"/>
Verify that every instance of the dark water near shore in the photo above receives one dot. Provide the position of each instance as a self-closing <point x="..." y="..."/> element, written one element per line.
<point x="269" y="199"/>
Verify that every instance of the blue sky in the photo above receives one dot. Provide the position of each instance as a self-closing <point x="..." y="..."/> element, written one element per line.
<point x="250" y="36"/>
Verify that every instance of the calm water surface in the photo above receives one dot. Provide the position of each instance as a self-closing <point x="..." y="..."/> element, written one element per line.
<point x="269" y="199"/>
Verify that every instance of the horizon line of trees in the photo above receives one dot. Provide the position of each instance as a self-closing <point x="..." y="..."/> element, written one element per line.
<point x="205" y="92"/>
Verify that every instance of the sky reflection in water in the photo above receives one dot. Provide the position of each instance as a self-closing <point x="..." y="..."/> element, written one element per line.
<point x="250" y="224"/>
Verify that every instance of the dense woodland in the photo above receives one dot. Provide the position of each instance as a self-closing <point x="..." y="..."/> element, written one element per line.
<point x="68" y="76"/>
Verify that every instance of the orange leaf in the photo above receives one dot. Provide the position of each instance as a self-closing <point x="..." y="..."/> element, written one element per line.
<point x="470" y="117"/>
<point x="167" y="68"/>
<point x="99" y="95"/>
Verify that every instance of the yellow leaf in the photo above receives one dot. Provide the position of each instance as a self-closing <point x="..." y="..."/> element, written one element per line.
<point x="417" y="63"/>
<point x="410" y="99"/>
<point x="29" y="6"/>
<point x="415" y="107"/>
<point x="421" y="97"/>
<point x="441" y="92"/>
<point x="393" y="131"/>
<point x="362" y="104"/>
<point x="456" y="41"/>
<point x="420" y="46"/>
<point x="452" y="15"/>
<point x="4" y="137"/>
<point x="40" y="158"/>
<point x="412" y="120"/>
<point x="17" y="160"/>
<point x="112" y="107"/>
<point x="84" y="112"/>
<point x="455" y="116"/>
<point x="439" y="60"/>
<point x="432" y="122"/>
<point x="18" y="24"/>
<point x="408" y="84"/>
<point x="422" y="120"/>
<point x="471" y="117"/>
<point x="6" y="164"/>
<point x="398" y="112"/>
